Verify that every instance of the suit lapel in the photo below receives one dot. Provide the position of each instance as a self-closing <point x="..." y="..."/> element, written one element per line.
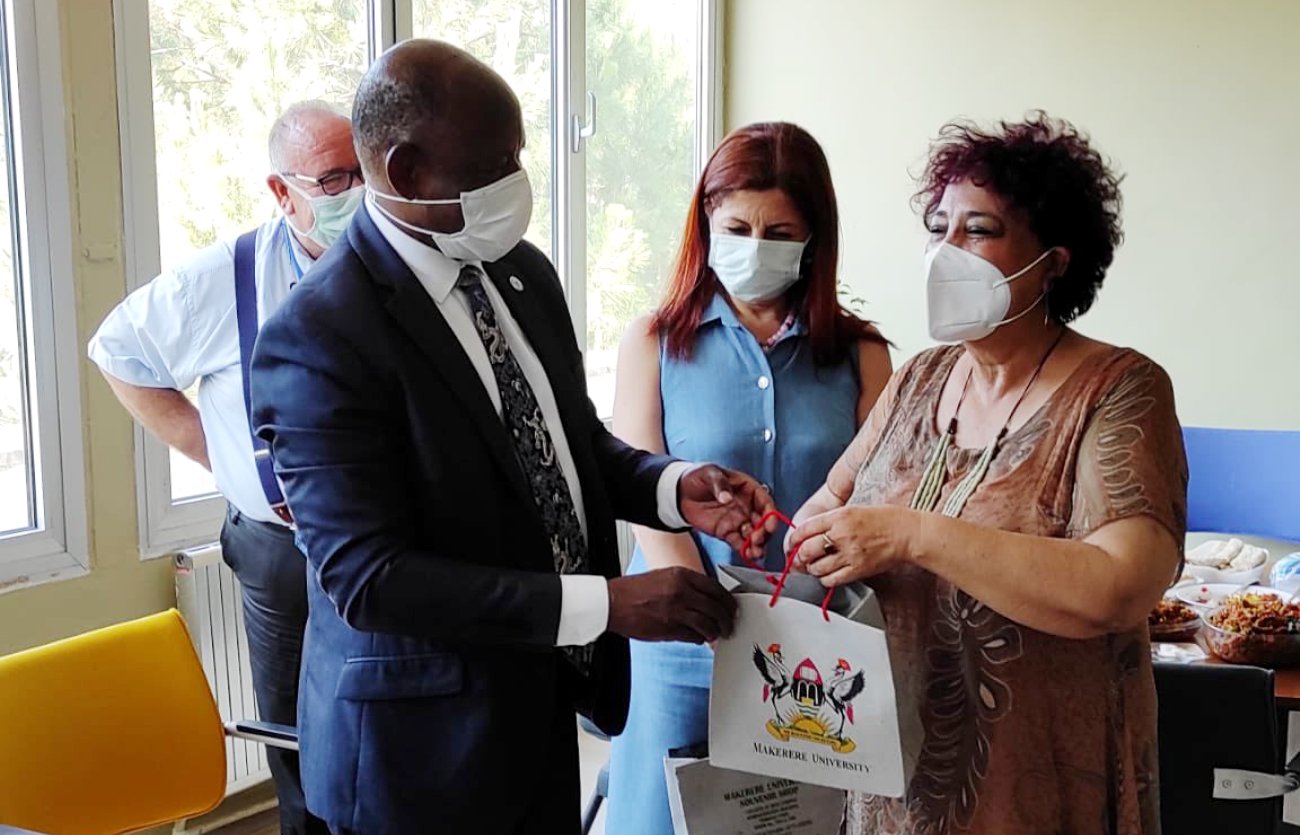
<point x="413" y="309"/>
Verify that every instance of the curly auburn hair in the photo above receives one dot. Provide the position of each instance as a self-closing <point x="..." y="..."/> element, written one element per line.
<point x="1046" y="168"/>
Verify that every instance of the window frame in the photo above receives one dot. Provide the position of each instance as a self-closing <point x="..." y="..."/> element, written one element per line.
<point x="568" y="102"/>
<point x="57" y="545"/>
<point x="164" y="526"/>
<point x="167" y="526"/>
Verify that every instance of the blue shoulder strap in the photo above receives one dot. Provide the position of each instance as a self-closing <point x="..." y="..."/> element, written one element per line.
<point x="246" y="318"/>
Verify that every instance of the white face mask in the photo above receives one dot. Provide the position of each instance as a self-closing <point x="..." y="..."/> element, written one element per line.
<point x="967" y="298"/>
<point x="496" y="217"/>
<point x="752" y="269"/>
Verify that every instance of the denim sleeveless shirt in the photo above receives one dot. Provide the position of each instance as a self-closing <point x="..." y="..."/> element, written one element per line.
<point x="773" y="415"/>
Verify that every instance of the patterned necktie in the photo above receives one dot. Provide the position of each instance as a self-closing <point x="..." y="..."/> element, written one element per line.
<point x="533" y="447"/>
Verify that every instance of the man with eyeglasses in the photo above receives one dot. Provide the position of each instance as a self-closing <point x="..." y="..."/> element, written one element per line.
<point x="197" y="323"/>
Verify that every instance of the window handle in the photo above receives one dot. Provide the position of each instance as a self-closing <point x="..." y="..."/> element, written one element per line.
<point x="578" y="131"/>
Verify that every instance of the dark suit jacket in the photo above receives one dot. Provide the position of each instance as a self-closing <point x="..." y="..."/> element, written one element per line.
<point x="430" y="679"/>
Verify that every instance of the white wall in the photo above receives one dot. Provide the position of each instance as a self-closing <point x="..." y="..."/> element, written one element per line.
<point x="1197" y="101"/>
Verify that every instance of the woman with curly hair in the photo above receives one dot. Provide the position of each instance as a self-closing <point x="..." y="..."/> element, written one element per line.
<point x="1017" y="500"/>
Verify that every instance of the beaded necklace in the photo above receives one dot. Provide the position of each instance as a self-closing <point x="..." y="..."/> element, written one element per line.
<point x="927" y="492"/>
<point x="770" y="343"/>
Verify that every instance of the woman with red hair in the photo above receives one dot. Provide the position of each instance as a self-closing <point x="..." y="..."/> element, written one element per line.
<point x="751" y="362"/>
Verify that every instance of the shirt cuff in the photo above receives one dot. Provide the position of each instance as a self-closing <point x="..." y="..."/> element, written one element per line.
<point x="584" y="609"/>
<point x="670" y="512"/>
<point x="126" y="368"/>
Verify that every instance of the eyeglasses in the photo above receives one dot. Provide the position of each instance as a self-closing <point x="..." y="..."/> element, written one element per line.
<point x="332" y="182"/>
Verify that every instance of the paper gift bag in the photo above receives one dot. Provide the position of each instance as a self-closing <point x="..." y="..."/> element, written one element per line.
<point x="707" y="800"/>
<point x="810" y="696"/>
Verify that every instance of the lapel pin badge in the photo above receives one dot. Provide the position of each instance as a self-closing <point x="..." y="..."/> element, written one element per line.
<point x="516" y="283"/>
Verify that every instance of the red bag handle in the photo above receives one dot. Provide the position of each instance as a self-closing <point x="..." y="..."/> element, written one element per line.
<point x="779" y="582"/>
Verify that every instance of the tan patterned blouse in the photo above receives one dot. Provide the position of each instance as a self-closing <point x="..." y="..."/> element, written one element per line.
<point x="1026" y="733"/>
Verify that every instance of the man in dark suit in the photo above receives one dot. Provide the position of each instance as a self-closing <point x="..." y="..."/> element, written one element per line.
<point x="454" y="491"/>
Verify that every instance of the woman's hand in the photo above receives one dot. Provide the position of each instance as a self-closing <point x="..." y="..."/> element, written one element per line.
<point x="823" y="501"/>
<point x="853" y="543"/>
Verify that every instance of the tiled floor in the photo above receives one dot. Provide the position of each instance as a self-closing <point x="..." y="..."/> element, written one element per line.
<point x="592" y="754"/>
<point x="263" y="823"/>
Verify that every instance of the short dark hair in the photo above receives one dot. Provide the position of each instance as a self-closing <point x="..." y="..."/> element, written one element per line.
<point x="1046" y="168"/>
<point x="387" y="110"/>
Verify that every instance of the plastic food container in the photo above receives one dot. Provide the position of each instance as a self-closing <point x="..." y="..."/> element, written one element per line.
<point x="1273" y="649"/>
<point x="1173" y="620"/>
<point x="1286" y="573"/>
<point x="1182" y="632"/>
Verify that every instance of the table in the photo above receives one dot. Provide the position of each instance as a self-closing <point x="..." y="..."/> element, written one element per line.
<point x="1286" y="688"/>
<point x="1286" y="683"/>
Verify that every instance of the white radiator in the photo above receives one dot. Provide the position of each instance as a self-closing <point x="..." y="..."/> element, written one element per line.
<point x="208" y="596"/>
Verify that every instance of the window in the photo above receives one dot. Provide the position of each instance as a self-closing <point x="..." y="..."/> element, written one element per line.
<point x="42" y="496"/>
<point x="619" y="104"/>
<point x="514" y="38"/>
<point x="198" y="114"/>
<point x="639" y="109"/>
<point x="642" y="64"/>
<point x="222" y="71"/>
<point x="16" y="474"/>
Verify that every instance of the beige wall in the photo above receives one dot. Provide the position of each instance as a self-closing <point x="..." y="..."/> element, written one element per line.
<point x="119" y="585"/>
<point x="1198" y="101"/>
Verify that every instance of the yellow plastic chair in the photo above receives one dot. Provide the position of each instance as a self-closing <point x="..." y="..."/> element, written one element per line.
<point x="112" y="731"/>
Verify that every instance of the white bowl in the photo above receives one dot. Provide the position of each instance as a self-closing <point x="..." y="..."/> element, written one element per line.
<point x="1205" y="596"/>
<point x="1214" y="575"/>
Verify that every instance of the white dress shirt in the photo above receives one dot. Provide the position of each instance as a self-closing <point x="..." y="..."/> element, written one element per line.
<point x="584" y="606"/>
<point x="181" y="327"/>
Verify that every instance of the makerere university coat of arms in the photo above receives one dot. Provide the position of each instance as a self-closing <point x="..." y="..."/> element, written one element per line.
<point x="803" y="706"/>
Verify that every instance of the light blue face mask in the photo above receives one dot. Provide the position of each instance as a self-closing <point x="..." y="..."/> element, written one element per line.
<point x="755" y="270"/>
<point x="332" y="213"/>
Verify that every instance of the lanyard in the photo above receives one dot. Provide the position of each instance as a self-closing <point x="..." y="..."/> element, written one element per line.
<point x="293" y="256"/>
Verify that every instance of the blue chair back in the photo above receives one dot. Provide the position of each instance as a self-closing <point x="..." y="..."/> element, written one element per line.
<point x="1243" y="481"/>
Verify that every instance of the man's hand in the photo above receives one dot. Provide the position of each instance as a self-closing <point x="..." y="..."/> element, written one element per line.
<point x="670" y="604"/>
<point x="728" y="505"/>
<point x="166" y="413"/>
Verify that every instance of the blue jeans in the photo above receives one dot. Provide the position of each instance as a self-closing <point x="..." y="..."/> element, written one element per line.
<point x="669" y="709"/>
<point x="273" y="575"/>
